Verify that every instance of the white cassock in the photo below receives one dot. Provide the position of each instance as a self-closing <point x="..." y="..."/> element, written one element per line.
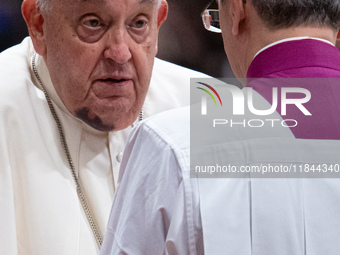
<point x="40" y="213"/>
<point x="160" y="209"/>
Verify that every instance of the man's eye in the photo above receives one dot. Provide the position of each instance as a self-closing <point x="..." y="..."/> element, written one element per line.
<point x="91" y="28"/>
<point x="139" y="27"/>
<point x="92" y="23"/>
<point x="139" y="22"/>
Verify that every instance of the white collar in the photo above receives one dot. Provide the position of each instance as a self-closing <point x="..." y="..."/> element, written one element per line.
<point x="292" y="39"/>
<point x="46" y="80"/>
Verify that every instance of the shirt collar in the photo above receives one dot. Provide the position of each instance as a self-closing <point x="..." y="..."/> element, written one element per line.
<point x="292" y="39"/>
<point x="292" y="55"/>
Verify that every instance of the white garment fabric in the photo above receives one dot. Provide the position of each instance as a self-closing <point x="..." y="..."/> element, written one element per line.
<point x="40" y="212"/>
<point x="160" y="209"/>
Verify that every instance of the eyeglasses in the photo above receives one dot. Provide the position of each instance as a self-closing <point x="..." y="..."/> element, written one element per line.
<point x="210" y="17"/>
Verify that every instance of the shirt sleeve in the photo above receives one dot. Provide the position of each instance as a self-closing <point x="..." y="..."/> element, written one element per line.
<point x="149" y="213"/>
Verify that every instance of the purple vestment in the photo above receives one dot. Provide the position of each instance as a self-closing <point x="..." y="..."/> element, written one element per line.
<point x="303" y="59"/>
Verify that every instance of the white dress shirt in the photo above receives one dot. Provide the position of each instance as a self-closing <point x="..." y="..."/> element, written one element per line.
<point x="160" y="209"/>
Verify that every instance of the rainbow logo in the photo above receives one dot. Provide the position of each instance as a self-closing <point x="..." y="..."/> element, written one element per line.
<point x="209" y="93"/>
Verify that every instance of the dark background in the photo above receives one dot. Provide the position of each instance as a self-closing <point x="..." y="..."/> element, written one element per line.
<point x="182" y="40"/>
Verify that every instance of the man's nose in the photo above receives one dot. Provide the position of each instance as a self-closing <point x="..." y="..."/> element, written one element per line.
<point x="117" y="47"/>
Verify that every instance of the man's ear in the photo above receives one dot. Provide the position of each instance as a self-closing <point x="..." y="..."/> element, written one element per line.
<point x="238" y="14"/>
<point x="34" y="21"/>
<point x="162" y="13"/>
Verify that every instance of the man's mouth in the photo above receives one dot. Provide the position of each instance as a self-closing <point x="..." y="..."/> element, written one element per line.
<point x="113" y="80"/>
<point x="112" y="87"/>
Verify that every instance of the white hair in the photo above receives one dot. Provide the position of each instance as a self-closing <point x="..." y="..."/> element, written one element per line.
<point x="45" y="5"/>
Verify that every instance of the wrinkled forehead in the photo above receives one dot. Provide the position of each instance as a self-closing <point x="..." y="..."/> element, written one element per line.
<point x="75" y="2"/>
<point x="103" y="1"/>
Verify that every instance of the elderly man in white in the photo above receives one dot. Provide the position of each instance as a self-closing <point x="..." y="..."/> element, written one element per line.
<point x="70" y="94"/>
